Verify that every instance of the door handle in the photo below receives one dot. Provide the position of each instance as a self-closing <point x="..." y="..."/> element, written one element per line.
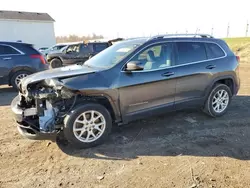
<point x="167" y="74"/>
<point x="210" y="67"/>
<point x="6" y="58"/>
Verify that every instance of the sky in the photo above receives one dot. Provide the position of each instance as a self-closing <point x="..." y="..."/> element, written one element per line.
<point x="132" y="18"/>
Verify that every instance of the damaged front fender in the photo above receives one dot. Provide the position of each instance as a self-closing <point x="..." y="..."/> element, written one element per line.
<point x="62" y="72"/>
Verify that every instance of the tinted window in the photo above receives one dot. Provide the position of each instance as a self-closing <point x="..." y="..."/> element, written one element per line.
<point x="7" y="50"/>
<point x="156" y="57"/>
<point x="214" y="51"/>
<point x="190" y="52"/>
<point x="100" y="47"/>
<point x="84" y="49"/>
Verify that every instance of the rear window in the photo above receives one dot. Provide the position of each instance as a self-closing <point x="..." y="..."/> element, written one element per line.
<point x="7" y="50"/>
<point x="100" y="47"/>
<point x="214" y="51"/>
<point x="28" y="49"/>
<point x="190" y="52"/>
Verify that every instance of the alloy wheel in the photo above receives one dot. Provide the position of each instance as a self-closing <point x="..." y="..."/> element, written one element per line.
<point x="89" y="126"/>
<point x="220" y="101"/>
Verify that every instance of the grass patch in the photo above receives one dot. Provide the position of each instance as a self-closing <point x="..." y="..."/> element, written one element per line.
<point x="238" y="44"/>
<point x="241" y="47"/>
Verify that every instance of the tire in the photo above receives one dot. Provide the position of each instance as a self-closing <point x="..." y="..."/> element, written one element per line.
<point x="86" y="137"/>
<point x="15" y="79"/>
<point x="210" y="105"/>
<point x="55" y="63"/>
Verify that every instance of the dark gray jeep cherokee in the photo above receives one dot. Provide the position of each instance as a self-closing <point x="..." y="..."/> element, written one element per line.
<point x="134" y="78"/>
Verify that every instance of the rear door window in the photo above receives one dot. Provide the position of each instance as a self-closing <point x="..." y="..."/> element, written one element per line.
<point x="190" y="52"/>
<point x="7" y="50"/>
<point x="84" y="49"/>
<point x="99" y="47"/>
<point x="214" y="51"/>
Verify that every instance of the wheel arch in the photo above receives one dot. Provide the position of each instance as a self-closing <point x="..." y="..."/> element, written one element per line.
<point x="106" y="101"/>
<point x="56" y="57"/>
<point x="20" y="68"/>
<point x="227" y="80"/>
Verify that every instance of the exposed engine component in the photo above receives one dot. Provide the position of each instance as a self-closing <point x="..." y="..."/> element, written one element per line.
<point x="47" y="121"/>
<point x="46" y="104"/>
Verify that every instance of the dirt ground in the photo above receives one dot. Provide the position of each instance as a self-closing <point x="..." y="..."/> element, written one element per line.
<point x="181" y="149"/>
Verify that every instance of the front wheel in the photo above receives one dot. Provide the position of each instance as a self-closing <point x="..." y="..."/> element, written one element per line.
<point x="218" y="100"/>
<point x="87" y="126"/>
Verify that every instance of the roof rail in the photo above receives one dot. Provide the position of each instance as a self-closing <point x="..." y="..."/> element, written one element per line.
<point x="132" y="38"/>
<point x="181" y="35"/>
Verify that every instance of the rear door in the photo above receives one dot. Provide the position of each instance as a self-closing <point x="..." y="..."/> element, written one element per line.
<point x="195" y="71"/>
<point x="85" y="52"/>
<point x="8" y="56"/>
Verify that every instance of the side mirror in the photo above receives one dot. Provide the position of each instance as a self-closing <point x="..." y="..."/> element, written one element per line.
<point x="133" y="65"/>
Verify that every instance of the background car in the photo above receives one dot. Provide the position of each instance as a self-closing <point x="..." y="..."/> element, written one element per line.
<point x="17" y="60"/>
<point x="42" y="49"/>
<point x="76" y="53"/>
<point x="54" y="49"/>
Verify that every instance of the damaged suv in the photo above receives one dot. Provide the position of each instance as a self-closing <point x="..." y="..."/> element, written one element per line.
<point x="132" y="79"/>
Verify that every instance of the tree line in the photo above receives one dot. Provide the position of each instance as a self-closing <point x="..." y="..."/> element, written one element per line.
<point x="76" y="38"/>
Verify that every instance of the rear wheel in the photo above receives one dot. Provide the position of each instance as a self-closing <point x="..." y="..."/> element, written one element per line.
<point x="55" y="63"/>
<point x="87" y="126"/>
<point x="218" y="100"/>
<point x="17" y="77"/>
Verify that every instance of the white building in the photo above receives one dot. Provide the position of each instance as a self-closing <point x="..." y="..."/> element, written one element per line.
<point x="29" y="27"/>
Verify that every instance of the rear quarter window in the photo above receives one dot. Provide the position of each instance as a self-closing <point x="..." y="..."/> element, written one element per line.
<point x="214" y="51"/>
<point x="27" y="49"/>
<point x="190" y="52"/>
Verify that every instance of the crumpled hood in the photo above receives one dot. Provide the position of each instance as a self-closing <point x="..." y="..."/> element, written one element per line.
<point x="61" y="72"/>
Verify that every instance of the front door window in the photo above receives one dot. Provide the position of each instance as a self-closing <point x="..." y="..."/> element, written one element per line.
<point x="156" y="57"/>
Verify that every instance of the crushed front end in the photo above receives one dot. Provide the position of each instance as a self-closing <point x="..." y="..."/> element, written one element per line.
<point x="41" y="107"/>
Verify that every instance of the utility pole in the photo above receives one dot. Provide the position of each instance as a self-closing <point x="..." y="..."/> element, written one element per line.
<point x="197" y="30"/>
<point x="228" y="28"/>
<point x="212" y="31"/>
<point x="247" y="28"/>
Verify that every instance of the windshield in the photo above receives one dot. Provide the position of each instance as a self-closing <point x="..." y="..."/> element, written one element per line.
<point x="64" y="48"/>
<point x="111" y="56"/>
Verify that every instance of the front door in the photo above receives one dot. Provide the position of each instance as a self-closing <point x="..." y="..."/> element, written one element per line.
<point x="151" y="90"/>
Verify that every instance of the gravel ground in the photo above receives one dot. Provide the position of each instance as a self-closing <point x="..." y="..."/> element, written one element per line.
<point x="181" y="149"/>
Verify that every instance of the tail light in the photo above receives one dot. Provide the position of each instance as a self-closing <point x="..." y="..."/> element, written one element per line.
<point x="39" y="56"/>
<point x="238" y="58"/>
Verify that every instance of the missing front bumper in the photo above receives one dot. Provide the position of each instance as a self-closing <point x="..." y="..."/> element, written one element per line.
<point x="25" y="126"/>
